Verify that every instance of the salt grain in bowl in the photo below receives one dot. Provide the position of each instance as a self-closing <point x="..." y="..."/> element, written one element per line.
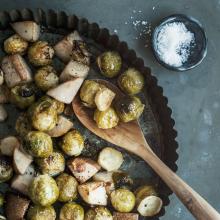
<point x="173" y="43"/>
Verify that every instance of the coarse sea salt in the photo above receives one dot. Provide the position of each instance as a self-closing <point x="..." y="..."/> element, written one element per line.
<point x="173" y="44"/>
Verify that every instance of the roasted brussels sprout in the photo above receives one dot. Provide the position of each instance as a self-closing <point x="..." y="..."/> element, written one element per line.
<point x="43" y="115"/>
<point x="122" y="180"/>
<point x="23" y="126"/>
<point x="122" y="200"/>
<point x="2" y="217"/>
<point x="15" y="44"/>
<point x="129" y="108"/>
<point x="23" y="95"/>
<point x="144" y="191"/>
<point x="109" y="63"/>
<point x="72" y="143"/>
<point x="40" y="53"/>
<point x="52" y="165"/>
<point x="98" y="213"/>
<point x="72" y="211"/>
<point x="46" y="78"/>
<point x="106" y="119"/>
<point x="88" y="92"/>
<point x="6" y="169"/>
<point x="38" y="144"/>
<point x="59" y="106"/>
<point x="80" y="52"/>
<point x="131" y="81"/>
<point x="1" y="77"/>
<point x="41" y="213"/>
<point x="2" y="199"/>
<point x="67" y="186"/>
<point x="43" y="190"/>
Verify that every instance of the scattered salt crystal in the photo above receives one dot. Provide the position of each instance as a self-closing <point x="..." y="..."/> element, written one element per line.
<point x="134" y="11"/>
<point x="132" y="17"/>
<point x="139" y="11"/>
<point x="144" y="22"/>
<point x="116" y="31"/>
<point x="153" y="8"/>
<point x="173" y="43"/>
<point x="126" y="22"/>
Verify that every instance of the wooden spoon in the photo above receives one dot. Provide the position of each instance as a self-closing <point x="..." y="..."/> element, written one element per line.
<point x="129" y="136"/>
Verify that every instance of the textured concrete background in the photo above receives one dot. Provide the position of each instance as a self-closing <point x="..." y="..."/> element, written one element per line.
<point x="194" y="95"/>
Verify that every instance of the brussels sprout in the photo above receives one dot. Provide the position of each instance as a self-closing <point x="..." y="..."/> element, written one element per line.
<point x="46" y="78"/>
<point x="72" y="143"/>
<point x="43" y="190"/>
<point x="122" y="180"/>
<point x="106" y="119"/>
<point x="109" y="63"/>
<point x="72" y="211"/>
<point x="144" y="191"/>
<point x="67" y="186"/>
<point x="2" y="199"/>
<point x="2" y="217"/>
<point x="80" y="52"/>
<point x="88" y="92"/>
<point x="129" y="108"/>
<point x="6" y="169"/>
<point x="59" y="106"/>
<point x="123" y="200"/>
<point x="23" y="96"/>
<point x="52" y="165"/>
<point x="15" y="44"/>
<point x="38" y="144"/>
<point x="23" y="126"/>
<point x="98" y="213"/>
<point x="131" y="81"/>
<point x="41" y="213"/>
<point x="40" y="53"/>
<point x="43" y="115"/>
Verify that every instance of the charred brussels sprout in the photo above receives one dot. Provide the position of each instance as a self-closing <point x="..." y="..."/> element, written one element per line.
<point x="129" y="108"/>
<point x="15" y="44"/>
<point x="46" y="78"/>
<point x="67" y="186"/>
<point x="23" y="126"/>
<point x="72" y="211"/>
<point x="41" y="213"/>
<point x="23" y="96"/>
<point x="123" y="200"/>
<point x="106" y="119"/>
<point x="38" y="144"/>
<point x="72" y="143"/>
<point x="122" y="180"/>
<point x="88" y="92"/>
<point x="6" y="169"/>
<point x="43" y="190"/>
<point x="40" y="53"/>
<point x="52" y="165"/>
<point x="98" y="213"/>
<point x="131" y="81"/>
<point x="109" y="63"/>
<point x="43" y="115"/>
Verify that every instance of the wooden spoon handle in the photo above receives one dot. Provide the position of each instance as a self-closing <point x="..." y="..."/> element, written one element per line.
<point x="197" y="205"/>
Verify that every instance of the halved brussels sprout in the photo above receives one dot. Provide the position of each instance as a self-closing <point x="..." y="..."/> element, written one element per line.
<point x="98" y="213"/>
<point x="40" y="53"/>
<point x="41" y="213"/>
<point x="88" y="92"/>
<point x="23" y="125"/>
<point x="129" y="108"/>
<point x="131" y="81"/>
<point x="144" y="191"/>
<point x="6" y="169"/>
<point x="43" y="115"/>
<point x="72" y="211"/>
<point x="123" y="200"/>
<point x="38" y="144"/>
<point x="15" y="44"/>
<point x="72" y="143"/>
<point x="23" y="95"/>
<point x="106" y="119"/>
<point x="67" y="186"/>
<point x="46" y="78"/>
<point x="109" y="63"/>
<point x="43" y="190"/>
<point x="52" y="165"/>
